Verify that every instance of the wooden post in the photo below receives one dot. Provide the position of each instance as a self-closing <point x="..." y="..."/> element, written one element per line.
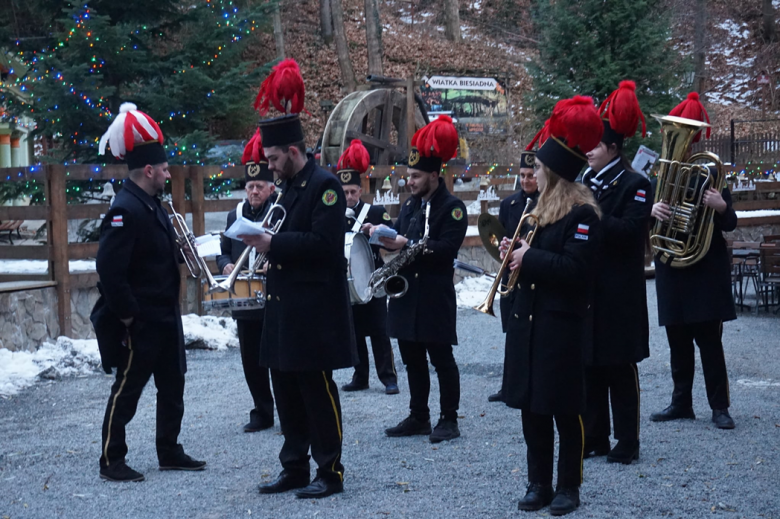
<point x="178" y="176"/>
<point x="196" y="174"/>
<point x="410" y="123"/>
<point x="58" y="239"/>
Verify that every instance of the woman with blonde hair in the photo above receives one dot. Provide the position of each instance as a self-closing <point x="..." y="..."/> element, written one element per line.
<point x="547" y="329"/>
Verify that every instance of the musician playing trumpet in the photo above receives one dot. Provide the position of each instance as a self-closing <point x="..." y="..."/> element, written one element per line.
<point x="423" y="320"/>
<point x="259" y="186"/>
<point x="547" y="329"/>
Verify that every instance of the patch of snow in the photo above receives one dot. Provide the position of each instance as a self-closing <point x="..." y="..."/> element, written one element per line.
<point x="472" y="231"/>
<point x="472" y="291"/>
<point x="72" y="357"/>
<point x="475" y="207"/>
<point x="758" y="213"/>
<point x="42" y="266"/>
<point x="737" y="31"/>
<point x="762" y="384"/>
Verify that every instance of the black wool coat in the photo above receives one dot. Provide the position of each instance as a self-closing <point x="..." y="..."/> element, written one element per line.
<point x="701" y="292"/>
<point x="621" y="333"/>
<point x="428" y="311"/>
<point x="548" y="326"/>
<point x="370" y="319"/>
<point x="138" y="266"/>
<point x="308" y="321"/>
<point x="232" y="249"/>
<point x="509" y="213"/>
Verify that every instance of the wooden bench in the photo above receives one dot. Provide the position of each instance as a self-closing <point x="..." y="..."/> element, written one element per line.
<point x="11" y="226"/>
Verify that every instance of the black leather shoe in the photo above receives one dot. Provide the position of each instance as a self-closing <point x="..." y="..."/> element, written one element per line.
<point x="320" y="488"/>
<point x="355" y="385"/>
<point x="253" y="426"/>
<point x="392" y="389"/>
<point x="596" y="447"/>
<point x="624" y="452"/>
<point x="445" y="430"/>
<point x="410" y="426"/>
<point x="537" y="496"/>
<point x="566" y="500"/>
<point x="496" y="397"/>
<point x="722" y="419"/>
<point x="182" y="462"/>
<point x="120" y="472"/>
<point x="673" y="412"/>
<point x="286" y="481"/>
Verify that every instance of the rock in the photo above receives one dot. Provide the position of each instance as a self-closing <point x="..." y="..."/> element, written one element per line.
<point x="196" y="345"/>
<point x="37" y="332"/>
<point x="50" y="374"/>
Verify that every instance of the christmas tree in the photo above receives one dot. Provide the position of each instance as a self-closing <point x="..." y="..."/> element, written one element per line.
<point x="588" y="46"/>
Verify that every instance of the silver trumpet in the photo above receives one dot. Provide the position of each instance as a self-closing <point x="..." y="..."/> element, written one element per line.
<point x="385" y="280"/>
<point x="228" y="283"/>
<point x="186" y="242"/>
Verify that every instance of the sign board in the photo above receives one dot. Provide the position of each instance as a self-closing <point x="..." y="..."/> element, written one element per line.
<point x="478" y="104"/>
<point x="763" y="80"/>
<point x="644" y="160"/>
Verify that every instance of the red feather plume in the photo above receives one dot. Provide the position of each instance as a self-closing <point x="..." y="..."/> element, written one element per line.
<point x="283" y="88"/>
<point x="355" y="157"/>
<point x="437" y="139"/>
<point x="692" y="108"/>
<point x="622" y="110"/>
<point x="253" y="151"/>
<point x="576" y="121"/>
<point x="541" y="136"/>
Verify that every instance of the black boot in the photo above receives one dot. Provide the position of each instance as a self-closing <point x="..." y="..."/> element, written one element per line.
<point x="596" y="447"/>
<point x="182" y="462"/>
<point x="355" y="385"/>
<point x="624" y="452"/>
<point x="673" y="412"/>
<point x="496" y="397"/>
<point x="320" y="488"/>
<point x="537" y="496"/>
<point x="445" y="430"/>
<point x="391" y="388"/>
<point x="566" y="500"/>
<point x="722" y="419"/>
<point x="286" y="481"/>
<point x="120" y="472"/>
<point x="410" y="426"/>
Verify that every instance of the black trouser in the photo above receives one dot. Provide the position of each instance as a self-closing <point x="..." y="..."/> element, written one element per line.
<point x="414" y="357"/>
<point x="383" y="358"/>
<point x="540" y="441"/>
<point x="616" y="384"/>
<point x="153" y="349"/>
<point x="257" y="377"/>
<point x="708" y="338"/>
<point x="310" y="415"/>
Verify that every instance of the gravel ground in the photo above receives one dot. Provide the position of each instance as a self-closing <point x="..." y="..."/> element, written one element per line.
<point x="50" y="434"/>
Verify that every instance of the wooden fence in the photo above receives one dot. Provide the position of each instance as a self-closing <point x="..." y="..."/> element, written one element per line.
<point x="56" y="212"/>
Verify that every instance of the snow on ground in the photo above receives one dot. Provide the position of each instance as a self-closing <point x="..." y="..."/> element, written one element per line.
<point x="472" y="291"/>
<point x="475" y="207"/>
<point x="42" y="266"/>
<point x="758" y="213"/>
<point x="71" y="357"/>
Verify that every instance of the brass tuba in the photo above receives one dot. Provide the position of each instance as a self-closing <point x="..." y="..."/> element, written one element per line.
<point x="685" y="237"/>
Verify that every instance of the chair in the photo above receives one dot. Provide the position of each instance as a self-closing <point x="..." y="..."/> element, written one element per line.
<point x="11" y="226"/>
<point x="769" y="280"/>
<point x="746" y="257"/>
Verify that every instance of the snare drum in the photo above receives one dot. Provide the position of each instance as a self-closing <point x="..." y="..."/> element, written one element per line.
<point x="250" y="294"/>
<point x="360" y="266"/>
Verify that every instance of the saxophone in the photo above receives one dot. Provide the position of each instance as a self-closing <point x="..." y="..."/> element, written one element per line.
<point x="385" y="280"/>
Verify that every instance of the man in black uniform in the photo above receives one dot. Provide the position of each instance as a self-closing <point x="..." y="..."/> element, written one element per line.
<point x="137" y="318"/>
<point x="509" y="214"/>
<point x="260" y="189"/>
<point x="423" y="320"/>
<point x="308" y="323"/>
<point x="621" y="332"/>
<point x="694" y="301"/>
<point x="369" y="319"/>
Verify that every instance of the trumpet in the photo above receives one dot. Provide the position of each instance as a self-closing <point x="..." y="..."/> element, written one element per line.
<point x="186" y="242"/>
<point x="486" y="307"/>
<point x="228" y="283"/>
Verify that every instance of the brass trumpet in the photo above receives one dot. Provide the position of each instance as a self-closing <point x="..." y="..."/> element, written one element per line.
<point x="186" y="242"/>
<point x="228" y="283"/>
<point x="486" y="307"/>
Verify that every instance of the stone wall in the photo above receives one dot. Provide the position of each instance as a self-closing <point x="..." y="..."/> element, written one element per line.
<point x="28" y="318"/>
<point x="478" y="257"/>
<point x="754" y="233"/>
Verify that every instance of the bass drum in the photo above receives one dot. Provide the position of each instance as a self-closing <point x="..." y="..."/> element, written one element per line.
<point x="360" y="266"/>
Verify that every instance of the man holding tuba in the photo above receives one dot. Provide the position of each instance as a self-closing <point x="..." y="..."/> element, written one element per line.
<point x="695" y="300"/>
<point x="423" y="320"/>
<point x="259" y="188"/>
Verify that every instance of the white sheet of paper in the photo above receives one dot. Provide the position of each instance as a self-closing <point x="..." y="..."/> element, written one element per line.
<point x="382" y="232"/>
<point x="208" y="245"/>
<point x="243" y="226"/>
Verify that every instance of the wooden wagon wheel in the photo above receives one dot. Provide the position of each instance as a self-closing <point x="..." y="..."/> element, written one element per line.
<point x="361" y="115"/>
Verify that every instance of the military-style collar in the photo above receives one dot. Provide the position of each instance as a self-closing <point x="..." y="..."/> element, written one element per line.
<point x="254" y="214"/>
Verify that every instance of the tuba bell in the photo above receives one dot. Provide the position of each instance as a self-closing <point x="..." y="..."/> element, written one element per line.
<point x="685" y="237"/>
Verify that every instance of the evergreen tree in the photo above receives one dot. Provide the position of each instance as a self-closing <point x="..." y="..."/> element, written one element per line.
<point x="588" y="46"/>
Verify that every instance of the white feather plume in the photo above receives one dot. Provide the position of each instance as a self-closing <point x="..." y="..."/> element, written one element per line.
<point x="115" y="135"/>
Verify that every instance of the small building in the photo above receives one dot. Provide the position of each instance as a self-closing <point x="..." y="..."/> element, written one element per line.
<point x="16" y="139"/>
